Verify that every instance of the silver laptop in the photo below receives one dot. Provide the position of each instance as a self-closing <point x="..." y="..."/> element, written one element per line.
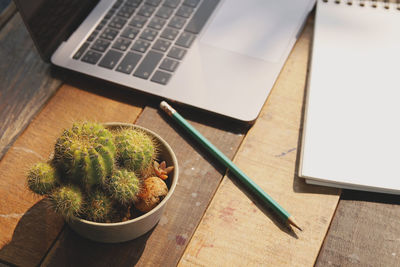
<point x="218" y="55"/>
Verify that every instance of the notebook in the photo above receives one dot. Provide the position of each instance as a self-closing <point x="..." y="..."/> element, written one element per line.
<point x="351" y="134"/>
<point x="222" y="56"/>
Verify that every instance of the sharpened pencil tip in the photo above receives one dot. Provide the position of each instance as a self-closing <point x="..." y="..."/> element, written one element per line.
<point x="292" y="221"/>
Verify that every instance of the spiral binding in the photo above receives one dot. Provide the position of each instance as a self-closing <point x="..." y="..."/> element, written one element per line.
<point x="386" y="4"/>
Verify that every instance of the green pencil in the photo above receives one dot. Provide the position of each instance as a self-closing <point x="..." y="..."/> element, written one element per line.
<point x="253" y="187"/>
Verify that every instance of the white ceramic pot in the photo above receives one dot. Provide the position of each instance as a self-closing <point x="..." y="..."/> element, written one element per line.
<point x="128" y="230"/>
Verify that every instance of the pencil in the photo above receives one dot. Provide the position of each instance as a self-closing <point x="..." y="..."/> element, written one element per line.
<point x="253" y="187"/>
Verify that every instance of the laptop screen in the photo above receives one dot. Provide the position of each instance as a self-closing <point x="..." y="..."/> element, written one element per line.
<point x="52" y="21"/>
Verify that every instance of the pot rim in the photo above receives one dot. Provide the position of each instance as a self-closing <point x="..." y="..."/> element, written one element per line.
<point x="170" y="191"/>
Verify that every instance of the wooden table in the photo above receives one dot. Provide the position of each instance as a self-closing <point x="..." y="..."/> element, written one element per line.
<point x="211" y="220"/>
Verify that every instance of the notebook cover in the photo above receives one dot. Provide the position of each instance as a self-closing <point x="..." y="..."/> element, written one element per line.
<point x="351" y="132"/>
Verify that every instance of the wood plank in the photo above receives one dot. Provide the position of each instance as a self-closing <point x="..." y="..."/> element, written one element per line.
<point x="198" y="180"/>
<point x="7" y="10"/>
<point x="364" y="232"/>
<point x="235" y="231"/>
<point x="26" y="83"/>
<point x="27" y="228"/>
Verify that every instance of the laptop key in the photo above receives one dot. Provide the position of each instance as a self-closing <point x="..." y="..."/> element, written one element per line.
<point x="109" y="34"/>
<point x="201" y="16"/>
<point x="169" y="64"/>
<point x="176" y="52"/>
<point x="172" y="3"/>
<point x="117" y="23"/>
<point x="161" y="77"/>
<point x="184" y="11"/>
<point x="148" y="64"/>
<point x="100" y="45"/>
<point x="156" y="23"/>
<point x="81" y="50"/>
<point x="109" y="14"/>
<point x="126" y="11"/>
<point x="153" y="2"/>
<point x="177" y="22"/>
<point x="130" y="33"/>
<point x="185" y="39"/>
<point x="140" y="46"/>
<point x="133" y="3"/>
<point x="191" y="3"/>
<point x="138" y="21"/>
<point x="129" y="62"/>
<point x="169" y="33"/>
<point x="117" y="4"/>
<point x="91" y="57"/>
<point x="149" y="34"/>
<point x="161" y="45"/>
<point x="110" y="59"/>
<point x="164" y="12"/>
<point x="146" y="10"/>
<point x="92" y="36"/>
<point x="122" y="44"/>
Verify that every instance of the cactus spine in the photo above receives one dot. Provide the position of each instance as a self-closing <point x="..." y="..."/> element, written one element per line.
<point x="86" y="153"/>
<point x="99" y="206"/>
<point x="68" y="201"/>
<point x="135" y="150"/>
<point x="124" y="186"/>
<point x="42" y="178"/>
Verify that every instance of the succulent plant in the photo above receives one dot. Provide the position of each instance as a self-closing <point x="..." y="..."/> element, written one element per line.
<point x="86" y="153"/>
<point x="135" y="150"/>
<point x="67" y="200"/>
<point x="97" y="174"/>
<point x="42" y="178"/>
<point x="124" y="186"/>
<point x="99" y="207"/>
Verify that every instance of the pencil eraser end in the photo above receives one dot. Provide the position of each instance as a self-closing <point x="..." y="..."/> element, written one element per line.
<point x="167" y="108"/>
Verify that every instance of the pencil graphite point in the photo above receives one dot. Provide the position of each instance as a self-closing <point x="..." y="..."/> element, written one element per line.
<point x="293" y="222"/>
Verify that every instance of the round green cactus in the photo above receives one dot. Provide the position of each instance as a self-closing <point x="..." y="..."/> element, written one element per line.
<point x="135" y="150"/>
<point x="68" y="201"/>
<point x="124" y="186"/>
<point x="99" y="207"/>
<point x="42" y="178"/>
<point x="86" y="153"/>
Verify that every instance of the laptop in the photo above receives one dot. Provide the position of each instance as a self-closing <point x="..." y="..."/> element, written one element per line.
<point x="221" y="56"/>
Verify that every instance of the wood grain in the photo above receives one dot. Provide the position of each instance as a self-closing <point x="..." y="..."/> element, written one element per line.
<point x="235" y="231"/>
<point x="26" y="83"/>
<point x="27" y="228"/>
<point x="198" y="180"/>
<point x="364" y="232"/>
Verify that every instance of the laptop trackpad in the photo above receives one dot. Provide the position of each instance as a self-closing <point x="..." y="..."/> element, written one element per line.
<point x="257" y="28"/>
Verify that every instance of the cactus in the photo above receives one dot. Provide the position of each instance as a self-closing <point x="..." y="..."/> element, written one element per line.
<point x="124" y="186"/>
<point x="135" y="150"/>
<point x="86" y="153"/>
<point x="42" y="178"/>
<point x="67" y="200"/>
<point x="97" y="174"/>
<point x="99" y="206"/>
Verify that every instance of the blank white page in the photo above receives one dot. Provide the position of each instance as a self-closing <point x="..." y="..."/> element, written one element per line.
<point x="352" y="122"/>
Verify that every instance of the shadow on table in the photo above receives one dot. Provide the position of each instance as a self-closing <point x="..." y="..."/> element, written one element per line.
<point x="271" y="214"/>
<point x="41" y="238"/>
<point x="73" y="250"/>
<point x="33" y="235"/>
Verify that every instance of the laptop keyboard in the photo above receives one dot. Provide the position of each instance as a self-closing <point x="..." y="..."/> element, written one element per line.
<point x="146" y="38"/>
